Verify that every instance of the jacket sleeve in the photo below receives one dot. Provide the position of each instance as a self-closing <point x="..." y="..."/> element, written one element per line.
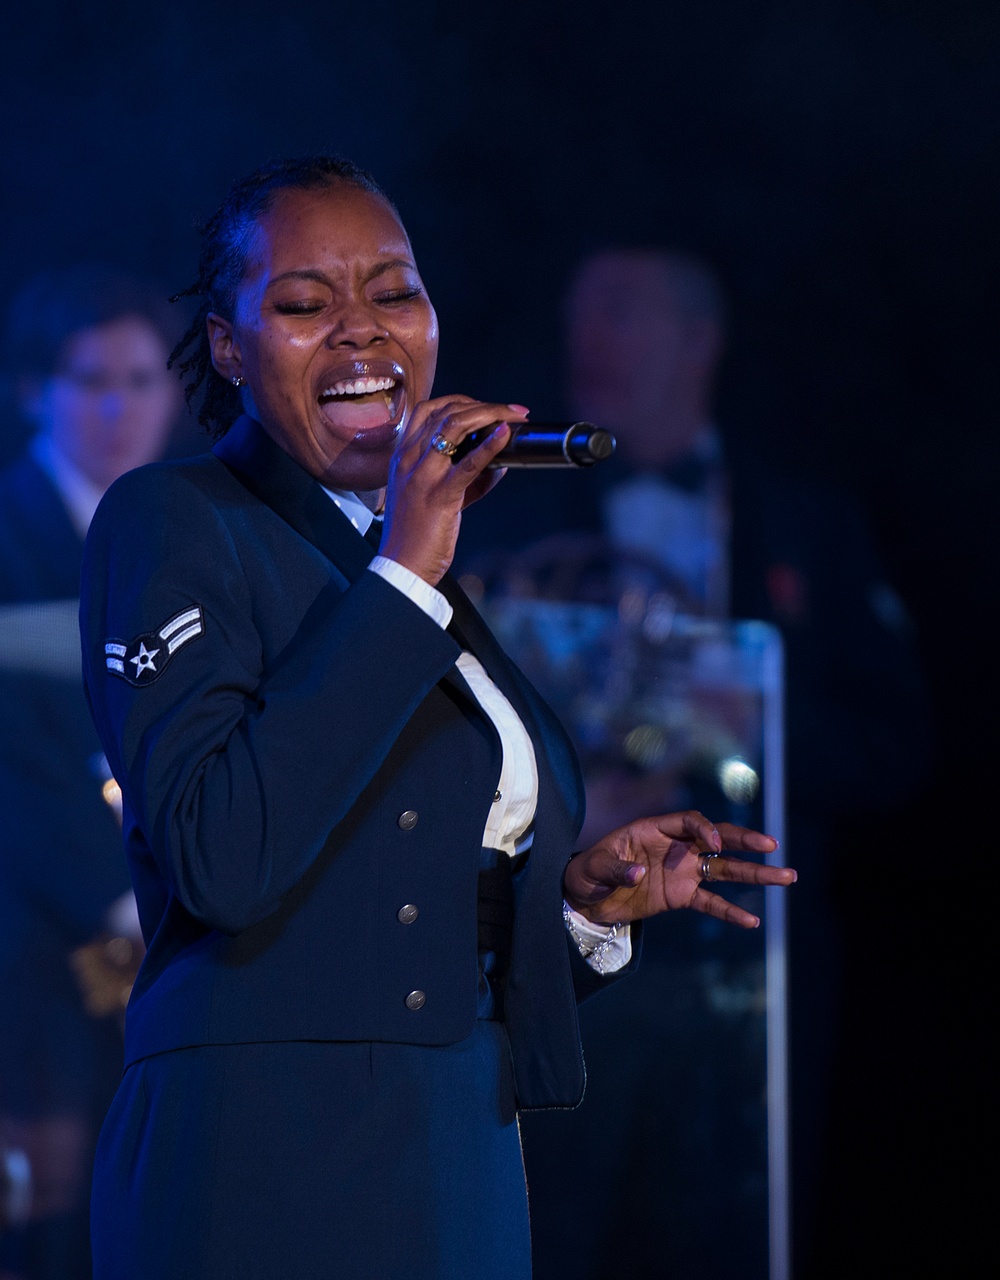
<point x="236" y="758"/>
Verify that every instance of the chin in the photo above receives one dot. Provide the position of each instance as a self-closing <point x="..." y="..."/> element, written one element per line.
<point x="356" y="469"/>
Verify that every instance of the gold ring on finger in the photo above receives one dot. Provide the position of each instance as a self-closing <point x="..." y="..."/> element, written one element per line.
<point x="442" y="445"/>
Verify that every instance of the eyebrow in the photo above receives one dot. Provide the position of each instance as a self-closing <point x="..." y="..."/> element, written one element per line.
<point x="312" y="273"/>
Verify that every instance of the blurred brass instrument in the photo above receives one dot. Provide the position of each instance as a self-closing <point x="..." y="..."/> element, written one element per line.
<point x="105" y="968"/>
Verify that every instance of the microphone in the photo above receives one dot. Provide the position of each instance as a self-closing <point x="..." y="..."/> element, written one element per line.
<point x="546" y="444"/>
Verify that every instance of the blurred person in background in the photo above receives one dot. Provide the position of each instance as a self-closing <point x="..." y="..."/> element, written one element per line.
<point x="730" y="535"/>
<point x="742" y="537"/>
<point x="86" y="351"/>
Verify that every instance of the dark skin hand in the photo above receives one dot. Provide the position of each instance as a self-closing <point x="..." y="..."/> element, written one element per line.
<point x="655" y="864"/>
<point x="427" y="493"/>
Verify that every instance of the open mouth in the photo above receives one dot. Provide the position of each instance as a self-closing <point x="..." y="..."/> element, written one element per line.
<point x="368" y="400"/>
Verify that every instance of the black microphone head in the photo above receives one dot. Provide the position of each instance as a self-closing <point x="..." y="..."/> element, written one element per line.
<point x="601" y="444"/>
<point x="587" y="444"/>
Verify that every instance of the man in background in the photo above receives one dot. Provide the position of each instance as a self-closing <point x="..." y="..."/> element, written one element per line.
<point x="728" y="535"/>
<point x="86" y="352"/>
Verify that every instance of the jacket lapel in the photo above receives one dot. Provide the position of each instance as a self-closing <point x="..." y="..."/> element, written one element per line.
<point x="280" y="482"/>
<point x="556" y="758"/>
<point x="472" y="633"/>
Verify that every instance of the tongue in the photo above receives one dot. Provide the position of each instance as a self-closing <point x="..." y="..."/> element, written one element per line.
<point x="357" y="413"/>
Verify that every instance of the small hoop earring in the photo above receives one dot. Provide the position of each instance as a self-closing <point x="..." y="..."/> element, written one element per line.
<point x="238" y="381"/>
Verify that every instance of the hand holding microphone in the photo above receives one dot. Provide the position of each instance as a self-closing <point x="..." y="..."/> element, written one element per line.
<point x="449" y="455"/>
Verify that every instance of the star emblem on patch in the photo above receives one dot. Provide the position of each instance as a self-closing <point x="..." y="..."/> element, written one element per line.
<point x="144" y="659"/>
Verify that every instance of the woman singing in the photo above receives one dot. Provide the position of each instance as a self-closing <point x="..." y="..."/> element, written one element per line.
<point x="350" y="821"/>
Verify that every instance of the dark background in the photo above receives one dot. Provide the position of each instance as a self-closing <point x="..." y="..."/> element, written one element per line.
<point x="837" y="161"/>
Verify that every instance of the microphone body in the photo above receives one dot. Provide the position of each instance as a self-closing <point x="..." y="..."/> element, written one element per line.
<point x="546" y="444"/>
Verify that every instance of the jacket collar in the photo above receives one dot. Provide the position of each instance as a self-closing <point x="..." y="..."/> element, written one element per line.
<point x="287" y="488"/>
<point x="291" y="492"/>
<point x="278" y="480"/>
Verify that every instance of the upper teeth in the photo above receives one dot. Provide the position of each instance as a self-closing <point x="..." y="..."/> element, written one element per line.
<point x="360" y="387"/>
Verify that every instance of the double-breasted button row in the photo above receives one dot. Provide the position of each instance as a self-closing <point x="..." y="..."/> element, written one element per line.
<point x="407" y="913"/>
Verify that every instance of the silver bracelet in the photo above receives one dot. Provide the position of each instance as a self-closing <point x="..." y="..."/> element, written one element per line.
<point x="597" y="953"/>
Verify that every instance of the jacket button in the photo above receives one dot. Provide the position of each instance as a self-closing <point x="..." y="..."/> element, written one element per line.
<point x="407" y="914"/>
<point x="497" y="795"/>
<point x="408" y="819"/>
<point x="416" y="1000"/>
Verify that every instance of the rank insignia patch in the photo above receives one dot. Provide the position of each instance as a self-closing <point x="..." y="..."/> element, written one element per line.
<point x="145" y="658"/>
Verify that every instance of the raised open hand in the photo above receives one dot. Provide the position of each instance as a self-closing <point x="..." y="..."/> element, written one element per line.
<point x="661" y="864"/>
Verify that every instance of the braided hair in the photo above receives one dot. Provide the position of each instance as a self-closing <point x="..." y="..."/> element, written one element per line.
<point x="225" y="238"/>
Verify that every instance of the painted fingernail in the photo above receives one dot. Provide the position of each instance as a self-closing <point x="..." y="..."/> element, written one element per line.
<point x="519" y="408"/>
<point x="635" y="874"/>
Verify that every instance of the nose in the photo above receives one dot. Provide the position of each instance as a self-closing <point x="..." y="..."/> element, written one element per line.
<point x="356" y="325"/>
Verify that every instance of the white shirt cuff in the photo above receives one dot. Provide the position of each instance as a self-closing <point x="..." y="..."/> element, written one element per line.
<point x="588" y="936"/>
<point x="423" y="595"/>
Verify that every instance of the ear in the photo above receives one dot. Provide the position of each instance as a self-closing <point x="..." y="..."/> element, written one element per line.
<point x="225" y="349"/>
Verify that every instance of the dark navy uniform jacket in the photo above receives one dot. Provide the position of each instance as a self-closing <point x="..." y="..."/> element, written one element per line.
<point x="61" y="864"/>
<point x="271" y="711"/>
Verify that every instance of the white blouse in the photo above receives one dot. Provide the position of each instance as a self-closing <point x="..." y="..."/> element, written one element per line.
<point x="513" y="811"/>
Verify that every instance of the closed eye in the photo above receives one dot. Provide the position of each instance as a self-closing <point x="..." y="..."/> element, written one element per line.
<point x="398" y="295"/>
<point x="298" y="308"/>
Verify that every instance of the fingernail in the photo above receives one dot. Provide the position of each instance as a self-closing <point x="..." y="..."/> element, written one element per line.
<point x="519" y="408"/>
<point x="500" y="428"/>
<point x="635" y="874"/>
<point x="717" y="841"/>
